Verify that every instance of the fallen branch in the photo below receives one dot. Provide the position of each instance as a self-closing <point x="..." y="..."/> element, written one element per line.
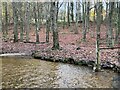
<point x="110" y="48"/>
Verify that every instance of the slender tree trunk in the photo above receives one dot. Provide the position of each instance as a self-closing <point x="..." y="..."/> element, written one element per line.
<point x="54" y="26"/>
<point x="15" y="20"/>
<point x="72" y="12"/>
<point x="21" y="22"/>
<point x="106" y="20"/>
<point x="118" y="38"/>
<point x="64" y="23"/>
<point x="5" y="23"/>
<point x="6" y="18"/>
<point x="98" y="11"/>
<point x="84" y="21"/>
<point x="36" y="21"/>
<point x="77" y="16"/>
<point x="94" y="22"/>
<point x="39" y="8"/>
<point x="1" y="17"/>
<point x="68" y="14"/>
<point x="88" y="15"/>
<point x="110" y="35"/>
<point x="48" y="20"/>
<point x="57" y="10"/>
<point x="1" y="31"/>
<point x="79" y="11"/>
<point x="118" y="24"/>
<point x="27" y="20"/>
<point x="47" y="29"/>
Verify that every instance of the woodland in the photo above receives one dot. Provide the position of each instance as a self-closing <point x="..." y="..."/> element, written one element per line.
<point x="76" y="32"/>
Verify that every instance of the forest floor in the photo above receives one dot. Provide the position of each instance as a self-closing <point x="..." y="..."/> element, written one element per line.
<point x="71" y="45"/>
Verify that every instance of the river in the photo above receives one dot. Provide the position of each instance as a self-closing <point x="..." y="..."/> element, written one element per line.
<point x="33" y="73"/>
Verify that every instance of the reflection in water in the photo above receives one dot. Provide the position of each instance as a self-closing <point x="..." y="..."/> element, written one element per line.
<point x="31" y="73"/>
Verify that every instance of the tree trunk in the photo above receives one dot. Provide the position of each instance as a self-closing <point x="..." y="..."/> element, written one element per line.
<point x="15" y="20"/>
<point x="5" y="30"/>
<point x="72" y="12"/>
<point x="21" y="21"/>
<point x="54" y="26"/>
<point x="84" y="22"/>
<point x="1" y="30"/>
<point x="47" y="29"/>
<point x="6" y="18"/>
<point x="106" y="20"/>
<point x="68" y="14"/>
<point x="94" y="22"/>
<point x="36" y="21"/>
<point x="98" y="12"/>
<point x="39" y="8"/>
<point x="118" y="24"/>
<point x="48" y="22"/>
<point x="0" y="18"/>
<point x="79" y="11"/>
<point x="27" y="20"/>
<point x="87" y="16"/>
<point x="110" y="34"/>
<point x="77" y="16"/>
<point x="118" y="38"/>
<point x="64" y="23"/>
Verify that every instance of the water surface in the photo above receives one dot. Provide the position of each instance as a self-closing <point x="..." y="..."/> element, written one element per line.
<point x="31" y="73"/>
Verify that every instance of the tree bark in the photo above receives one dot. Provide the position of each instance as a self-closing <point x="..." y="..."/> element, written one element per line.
<point x="72" y="12"/>
<point x="48" y="21"/>
<point x="87" y="15"/>
<point x="54" y="26"/>
<point x="98" y="12"/>
<point x="1" y="17"/>
<point x="79" y="11"/>
<point x="84" y="22"/>
<point x="117" y="38"/>
<point x="21" y="21"/>
<point x="15" y="20"/>
<point x="27" y="20"/>
<point x="5" y="23"/>
<point x="64" y="17"/>
<point x="77" y="17"/>
<point x="110" y="28"/>
<point x="6" y="18"/>
<point x="36" y="20"/>
<point x="68" y="14"/>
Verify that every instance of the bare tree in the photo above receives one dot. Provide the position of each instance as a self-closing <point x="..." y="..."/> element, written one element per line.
<point x="99" y="16"/>
<point x="54" y="25"/>
<point x="110" y="28"/>
<point x="118" y="23"/>
<point x="0" y="17"/>
<point x="5" y="30"/>
<point x="36" y="15"/>
<point x="48" y="20"/>
<point x="84" y="20"/>
<point x="68" y="13"/>
<point x="77" y="17"/>
<point x="15" y="20"/>
<point x="27" y="20"/>
<point x="64" y="16"/>
<point x="71" y="9"/>
<point x="87" y="15"/>
<point x="21" y="21"/>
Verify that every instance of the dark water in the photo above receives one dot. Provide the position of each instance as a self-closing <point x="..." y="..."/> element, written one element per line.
<point x="31" y="73"/>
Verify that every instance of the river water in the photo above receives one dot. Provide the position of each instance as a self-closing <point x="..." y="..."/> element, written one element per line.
<point x="32" y="73"/>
